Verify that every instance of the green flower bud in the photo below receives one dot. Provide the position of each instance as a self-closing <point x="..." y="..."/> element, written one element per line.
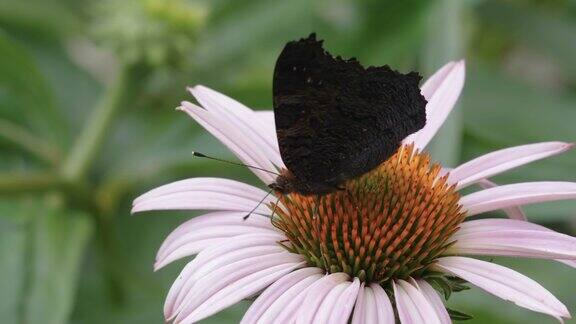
<point x="152" y="32"/>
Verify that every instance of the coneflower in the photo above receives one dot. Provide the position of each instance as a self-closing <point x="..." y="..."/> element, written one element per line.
<point x="390" y="247"/>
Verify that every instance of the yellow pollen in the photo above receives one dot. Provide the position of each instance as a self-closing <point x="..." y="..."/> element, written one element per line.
<point x="389" y="223"/>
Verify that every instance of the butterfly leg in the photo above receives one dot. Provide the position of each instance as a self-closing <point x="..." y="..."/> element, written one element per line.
<point x="274" y="209"/>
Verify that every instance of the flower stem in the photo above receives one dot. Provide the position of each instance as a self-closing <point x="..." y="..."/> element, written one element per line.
<point x="27" y="182"/>
<point x="98" y="125"/>
<point x="111" y="261"/>
<point x="29" y="142"/>
<point x="446" y="41"/>
<point x="82" y="156"/>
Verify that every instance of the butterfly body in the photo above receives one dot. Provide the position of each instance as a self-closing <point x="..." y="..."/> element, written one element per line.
<point x="336" y="120"/>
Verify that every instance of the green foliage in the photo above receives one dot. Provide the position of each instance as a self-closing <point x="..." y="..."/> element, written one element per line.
<point x="446" y="41"/>
<point x="43" y="246"/>
<point x="459" y="316"/>
<point x="447" y="285"/>
<point x="29" y="117"/>
<point x="76" y="146"/>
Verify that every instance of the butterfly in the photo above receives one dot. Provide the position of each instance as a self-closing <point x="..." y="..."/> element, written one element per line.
<point x="336" y="120"/>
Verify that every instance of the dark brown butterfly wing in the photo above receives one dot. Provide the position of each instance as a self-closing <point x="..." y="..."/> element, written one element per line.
<point x="336" y="120"/>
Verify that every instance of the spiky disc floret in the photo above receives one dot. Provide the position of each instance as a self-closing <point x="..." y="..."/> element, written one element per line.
<point x="390" y="223"/>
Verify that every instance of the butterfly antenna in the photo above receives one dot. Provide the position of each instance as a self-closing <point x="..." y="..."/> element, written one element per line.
<point x="202" y="155"/>
<point x="259" y="203"/>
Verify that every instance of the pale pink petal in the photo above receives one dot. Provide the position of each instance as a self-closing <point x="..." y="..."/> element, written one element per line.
<point x="181" y="282"/>
<point x="363" y="313"/>
<point x="382" y="304"/>
<point x="206" y="230"/>
<point x="408" y="311"/>
<point x="512" y="238"/>
<point x="488" y="224"/>
<point x="189" y="278"/>
<point x="499" y="161"/>
<point x="226" y="285"/>
<point x="285" y="309"/>
<point x="237" y="122"/>
<point x="237" y="142"/>
<point x="517" y="194"/>
<point x="232" y="106"/>
<point x="435" y="81"/>
<point x="412" y="295"/>
<point x="275" y="298"/>
<point x="513" y="212"/>
<point x="373" y="306"/>
<point x="328" y="304"/>
<point x="196" y="244"/>
<point x="215" y="219"/>
<point x="504" y="283"/>
<point x="218" y="256"/>
<point x="241" y="118"/>
<point x="242" y="288"/>
<point x="228" y="186"/>
<point x="434" y="299"/>
<point x="517" y="243"/>
<point x="191" y="242"/>
<point x="204" y="193"/>
<point x="442" y="94"/>
<point x="570" y="263"/>
<point x="342" y="308"/>
<point x="291" y="309"/>
<point x="316" y="295"/>
<point x="267" y="118"/>
<point x="240" y="144"/>
<point x="236" y="244"/>
<point x="202" y="200"/>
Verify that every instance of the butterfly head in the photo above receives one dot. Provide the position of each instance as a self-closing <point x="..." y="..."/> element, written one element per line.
<point x="287" y="183"/>
<point x="284" y="183"/>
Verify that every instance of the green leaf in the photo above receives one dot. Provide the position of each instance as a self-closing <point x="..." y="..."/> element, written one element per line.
<point x="235" y="33"/>
<point x="75" y="90"/>
<point x="502" y="112"/>
<point x="552" y="32"/>
<point x="27" y="109"/>
<point x="400" y="27"/>
<point x="500" y="109"/>
<point x="40" y="268"/>
<point x="13" y="236"/>
<point x="38" y="18"/>
<point x="441" y="285"/>
<point x="447" y="285"/>
<point x="458" y="316"/>
<point x="58" y="242"/>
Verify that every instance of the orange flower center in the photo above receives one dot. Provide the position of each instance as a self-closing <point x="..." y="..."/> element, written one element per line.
<point x="389" y="223"/>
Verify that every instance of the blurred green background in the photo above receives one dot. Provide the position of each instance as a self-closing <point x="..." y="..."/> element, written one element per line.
<point x="87" y="91"/>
